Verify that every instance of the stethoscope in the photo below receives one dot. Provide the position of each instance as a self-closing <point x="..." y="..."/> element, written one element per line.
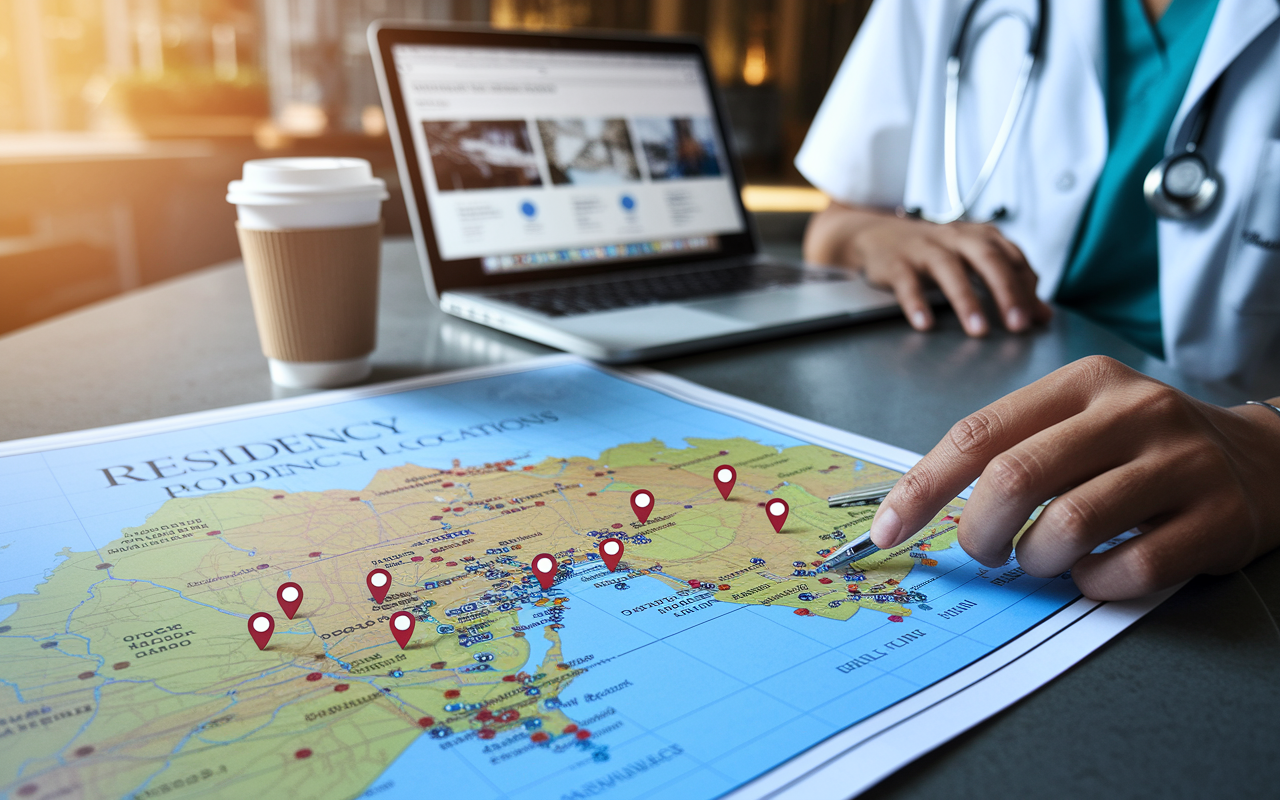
<point x="1181" y="186"/>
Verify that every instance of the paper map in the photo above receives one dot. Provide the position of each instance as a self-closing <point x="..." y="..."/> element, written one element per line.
<point x="717" y="652"/>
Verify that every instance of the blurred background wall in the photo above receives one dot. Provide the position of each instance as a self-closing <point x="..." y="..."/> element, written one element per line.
<point x="121" y="121"/>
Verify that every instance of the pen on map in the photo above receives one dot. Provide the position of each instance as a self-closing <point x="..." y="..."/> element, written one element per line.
<point x="862" y="546"/>
<point x="862" y="496"/>
<point x="850" y="552"/>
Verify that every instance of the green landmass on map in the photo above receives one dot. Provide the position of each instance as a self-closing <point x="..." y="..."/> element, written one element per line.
<point x="152" y="681"/>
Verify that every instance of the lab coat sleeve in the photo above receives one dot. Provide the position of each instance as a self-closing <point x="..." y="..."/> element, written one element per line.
<point x="858" y="147"/>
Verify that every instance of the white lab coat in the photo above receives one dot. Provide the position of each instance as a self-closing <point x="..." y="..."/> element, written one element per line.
<point x="878" y="140"/>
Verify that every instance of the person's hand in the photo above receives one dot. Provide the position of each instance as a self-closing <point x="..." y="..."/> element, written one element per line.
<point x="910" y="255"/>
<point x="1117" y="450"/>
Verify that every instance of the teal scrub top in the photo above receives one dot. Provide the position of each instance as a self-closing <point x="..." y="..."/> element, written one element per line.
<point x="1112" y="276"/>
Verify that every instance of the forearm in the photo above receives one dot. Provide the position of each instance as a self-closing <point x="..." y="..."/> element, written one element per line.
<point x="831" y="234"/>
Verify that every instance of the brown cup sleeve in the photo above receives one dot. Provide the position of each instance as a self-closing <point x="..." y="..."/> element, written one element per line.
<point x="315" y="291"/>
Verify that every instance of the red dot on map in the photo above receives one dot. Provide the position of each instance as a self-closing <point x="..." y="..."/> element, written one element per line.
<point x="599" y="474"/>
<point x="103" y="565"/>
<point x="486" y="733"/>
<point x="436" y="559"/>
<point x="354" y="499"/>
<point x="539" y="737"/>
<point x="437" y="665"/>
<point x="452" y="693"/>
<point x="416" y="558"/>
<point x="802" y="612"/>
<point x="84" y="676"/>
<point x="303" y="753"/>
<point x="642" y="504"/>
<point x="616" y="525"/>
<point x="518" y="634"/>
<point x="315" y="676"/>
<point x="484" y="716"/>
<point x="854" y="589"/>
<point x="611" y="552"/>
<point x="315" y="554"/>
<point x="81" y="752"/>
<point x="446" y="485"/>
<point x="591" y="494"/>
<point x="895" y="618"/>
<point x="451" y="563"/>
<point x="583" y="734"/>
<point x="725" y="477"/>
<point x="426" y="722"/>
<point x="776" y="510"/>
<point x="263" y="566"/>
<point x="544" y="569"/>
<point x="278" y="497"/>
<point x="570" y="728"/>
<point x="213" y="533"/>
<point x="695" y="583"/>
<point x="509" y="678"/>
<point x="120" y="665"/>
<point x="379" y="582"/>
<point x="342" y="687"/>
<point x="459" y="508"/>
<point x="824" y="580"/>
<point x="289" y="596"/>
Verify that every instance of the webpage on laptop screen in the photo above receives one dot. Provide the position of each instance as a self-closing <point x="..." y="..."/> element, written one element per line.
<point x="535" y="159"/>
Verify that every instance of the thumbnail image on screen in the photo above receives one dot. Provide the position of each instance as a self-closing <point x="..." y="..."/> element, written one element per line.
<point x="584" y="151"/>
<point x="678" y="147"/>
<point x="481" y="154"/>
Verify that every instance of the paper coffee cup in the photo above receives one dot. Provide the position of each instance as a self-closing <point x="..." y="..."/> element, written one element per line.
<point x="310" y="231"/>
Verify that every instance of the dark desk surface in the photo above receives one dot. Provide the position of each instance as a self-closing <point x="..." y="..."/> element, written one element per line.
<point x="1184" y="704"/>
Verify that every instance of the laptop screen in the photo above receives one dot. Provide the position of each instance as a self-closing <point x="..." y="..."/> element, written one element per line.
<point x="545" y="159"/>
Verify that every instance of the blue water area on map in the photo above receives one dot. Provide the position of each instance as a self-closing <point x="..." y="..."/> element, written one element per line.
<point x="773" y="682"/>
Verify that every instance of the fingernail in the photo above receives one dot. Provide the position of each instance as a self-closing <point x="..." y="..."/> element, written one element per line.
<point x="977" y="323"/>
<point x="919" y="320"/>
<point x="1016" y="319"/>
<point x="886" y="528"/>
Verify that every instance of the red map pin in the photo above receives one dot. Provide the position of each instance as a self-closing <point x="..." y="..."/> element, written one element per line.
<point x="725" y="477"/>
<point x="544" y="566"/>
<point x="261" y="626"/>
<point x="642" y="504"/>
<point x="378" y="581"/>
<point x="776" y="510"/>
<point x="402" y="627"/>
<point x="289" y="595"/>
<point x="611" y="553"/>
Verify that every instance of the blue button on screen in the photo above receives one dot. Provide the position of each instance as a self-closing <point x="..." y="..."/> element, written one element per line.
<point x="528" y="209"/>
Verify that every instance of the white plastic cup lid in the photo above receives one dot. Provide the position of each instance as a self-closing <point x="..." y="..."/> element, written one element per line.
<point x="277" y="181"/>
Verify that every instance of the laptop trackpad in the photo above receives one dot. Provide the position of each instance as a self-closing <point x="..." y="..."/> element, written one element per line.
<point x="811" y="301"/>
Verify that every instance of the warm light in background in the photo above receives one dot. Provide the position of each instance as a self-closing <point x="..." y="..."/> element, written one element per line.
<point x="795" y="199"/>
<point x="755" y="67"/>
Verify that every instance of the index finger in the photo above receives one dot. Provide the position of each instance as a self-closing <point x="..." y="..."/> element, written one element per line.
<point x="974" y="441"/>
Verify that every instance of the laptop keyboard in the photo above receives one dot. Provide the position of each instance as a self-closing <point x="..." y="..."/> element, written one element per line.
<point x="565" y="301"/>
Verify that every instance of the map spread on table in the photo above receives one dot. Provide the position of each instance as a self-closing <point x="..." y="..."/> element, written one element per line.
<point x="717" y="650"/>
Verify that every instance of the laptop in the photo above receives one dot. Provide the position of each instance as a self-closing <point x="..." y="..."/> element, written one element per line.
<point x="582" y="192"/>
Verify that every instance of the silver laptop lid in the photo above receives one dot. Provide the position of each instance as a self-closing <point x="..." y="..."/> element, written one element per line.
<point x="535" y="157"/>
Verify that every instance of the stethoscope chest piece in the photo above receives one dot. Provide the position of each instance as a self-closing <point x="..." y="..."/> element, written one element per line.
<point x="1181" y="186"/>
